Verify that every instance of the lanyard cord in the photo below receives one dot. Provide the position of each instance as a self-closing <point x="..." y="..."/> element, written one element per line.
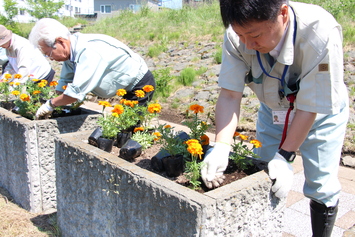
<point x="290" y="97"/>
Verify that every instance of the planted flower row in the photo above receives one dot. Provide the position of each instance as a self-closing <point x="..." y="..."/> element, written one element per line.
<point x="187" y="150"/>
<point x="27" y="96"/>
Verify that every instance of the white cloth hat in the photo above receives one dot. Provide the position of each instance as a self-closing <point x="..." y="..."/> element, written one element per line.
<point x="5" y="35"/>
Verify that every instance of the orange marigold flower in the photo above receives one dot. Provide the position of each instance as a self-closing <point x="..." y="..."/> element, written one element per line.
<point x="15" y="92"/>
<point x="236" y="134"/>
<point x="154" y="108"/>
<point x="167" y="126"/>
<point x="7" y="76"/>
<point x="11" y="83"/>
<point x="4" y="80"/>
<point x="64" y="87"/>
<point x="118" y="109"/>
<point x="25" y="97"/>
<point x="157" y="136"/>
<point x="130" y="103"/>
<point x="53" y="83"/>
<point x="35" y="80"/>
<point x="121" y="92"/>
<point x="148" y="88"/>
<point x="105" y="103"/>
<point x="18" y="76"/>
<point x="122" y="101"/>
<point x="36" y="92"/>
<point x="205" y="140"/>
<point x="139" y="93"/>
<point x="243" y="137"/>
<point x="256" y="143"/>
<point x="136" y="129"/>
<point x="41" y="84"/>
<point x="196" y="108"/>
<point x="17" y="83"/>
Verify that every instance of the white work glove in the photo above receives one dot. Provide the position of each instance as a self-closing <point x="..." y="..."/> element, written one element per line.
<point x="214" y="164"/>
<point x="45" y="110"/>
<point x="282" y="173"/>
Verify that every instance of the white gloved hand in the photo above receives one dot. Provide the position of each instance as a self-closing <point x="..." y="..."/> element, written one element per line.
<point x="282" y="172"/>
<point x="214" y="164"/>
<point x="45" y="109"/>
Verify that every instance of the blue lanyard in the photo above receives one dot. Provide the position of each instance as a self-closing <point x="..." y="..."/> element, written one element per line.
<point x="282" y="79"/>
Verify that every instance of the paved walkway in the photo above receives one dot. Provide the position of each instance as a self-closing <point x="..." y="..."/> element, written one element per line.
<point x="297" y="222"/>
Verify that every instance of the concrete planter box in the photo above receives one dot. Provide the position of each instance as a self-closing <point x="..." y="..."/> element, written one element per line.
<point x="100" y="194"/>
<point x="27" y="166"/>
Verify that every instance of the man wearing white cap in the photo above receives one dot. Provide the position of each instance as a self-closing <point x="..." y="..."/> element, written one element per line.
<point x="24" y="58"/>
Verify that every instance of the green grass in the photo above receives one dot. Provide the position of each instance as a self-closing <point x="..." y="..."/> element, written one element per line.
<point x="198" y="23"/>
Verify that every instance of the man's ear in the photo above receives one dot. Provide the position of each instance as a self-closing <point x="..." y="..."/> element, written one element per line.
<point x="284" y="12"/>
<point x="62" y="41"/>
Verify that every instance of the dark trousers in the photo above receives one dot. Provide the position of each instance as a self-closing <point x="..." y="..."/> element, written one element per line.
<point x="148" y="79"/>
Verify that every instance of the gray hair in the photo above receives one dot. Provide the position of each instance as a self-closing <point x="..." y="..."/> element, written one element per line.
<point x="47" y="30"/>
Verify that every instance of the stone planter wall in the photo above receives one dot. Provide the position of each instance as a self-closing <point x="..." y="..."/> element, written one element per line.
<point x="27" y="167"/>
<point x="100" y="194"/>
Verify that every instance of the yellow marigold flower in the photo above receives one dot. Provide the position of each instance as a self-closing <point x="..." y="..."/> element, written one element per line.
<point x="243" y="137"/>
<point x="236" y="134"/>
<point x="41" y="84"/>
<point x="17" y="83"/>
<point x="18" y="76"/>
<point x="115" y="114"/>
<point x="35" y="80"/>
<point x="7" y="76"/>
<point x="194" y="147"/>
<point x="64" y="87"/>
<point x="11" y="83"/>
<point x="139" y="93"/>
<point x="118" y="109"/>
<point x="196" y="108"/>
<point x="121" y="92"/>
<point x="136" y="129"/>
<point x="105" y="103"/>
<point x="154" y="108"/>
<point x="148" y="88"/>
<point x="53" y="83"/>
<point x="256" y="143"/>
<point x="25" y="97"/>
<point x="157" y="136"/>
<point x="15" y="92"/>
<point x="205" y="140"/>
<point x="36" y="92"/>
<point x="44" y="81"/>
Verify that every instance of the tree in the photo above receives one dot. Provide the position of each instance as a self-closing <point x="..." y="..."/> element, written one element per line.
<point x="10" y="7"/>
<point x="44" y="8"/>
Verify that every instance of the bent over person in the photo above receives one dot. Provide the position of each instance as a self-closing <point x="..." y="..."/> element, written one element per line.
<point x="290" y="55"/>
<point x="23" y="58"/>
<point x="94" y="63"/>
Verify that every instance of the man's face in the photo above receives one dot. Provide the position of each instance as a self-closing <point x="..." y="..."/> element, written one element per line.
<point x="59" y="52"/>
<point x="263" y="36"/>
<point x="6" y="45"/>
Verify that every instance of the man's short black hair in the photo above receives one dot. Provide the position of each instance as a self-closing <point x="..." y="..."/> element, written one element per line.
<point x="242" y="12"/>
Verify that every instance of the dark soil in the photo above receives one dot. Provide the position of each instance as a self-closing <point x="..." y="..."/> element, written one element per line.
<point x="232" y="173"/>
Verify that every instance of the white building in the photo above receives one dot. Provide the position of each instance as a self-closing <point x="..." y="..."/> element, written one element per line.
<point x="70" y="8"/>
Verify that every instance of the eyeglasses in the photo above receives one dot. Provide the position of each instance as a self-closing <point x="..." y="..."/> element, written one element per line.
<point x="50" y="54"/>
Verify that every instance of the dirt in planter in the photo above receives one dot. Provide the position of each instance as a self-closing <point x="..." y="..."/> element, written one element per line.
<point x="232" y="173"/>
